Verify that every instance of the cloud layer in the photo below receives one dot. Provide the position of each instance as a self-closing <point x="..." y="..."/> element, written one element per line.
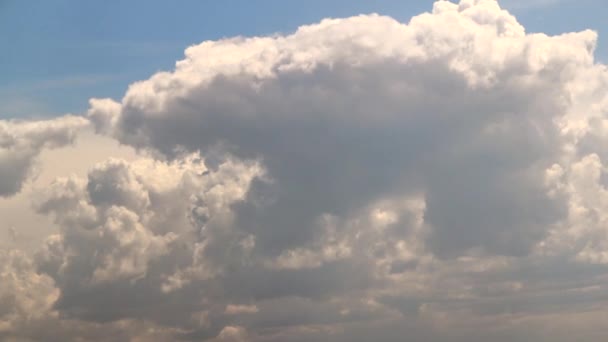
<point x="358" y="179"/>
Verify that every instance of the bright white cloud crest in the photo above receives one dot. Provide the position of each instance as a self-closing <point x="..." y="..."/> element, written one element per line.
<point x="358" y="179"/>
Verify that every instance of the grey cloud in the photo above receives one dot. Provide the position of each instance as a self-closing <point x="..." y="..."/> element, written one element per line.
<point x="130" y="230"/>
<point x="359" y="179"/>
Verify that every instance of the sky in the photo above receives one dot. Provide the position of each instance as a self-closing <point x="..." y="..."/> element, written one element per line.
<point x="286" y="171"/>
<point x="96" y="49"/>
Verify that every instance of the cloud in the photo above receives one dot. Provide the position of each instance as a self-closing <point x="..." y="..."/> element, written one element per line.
<point x="22" y="141"/>
<point x="24" y="292"/>
<point x="138" y="232"/>
<point x="232" y="334"/>
<point x="358" y="179"/>
<point x="27" y="314"/>
<point x="350" y="111"/>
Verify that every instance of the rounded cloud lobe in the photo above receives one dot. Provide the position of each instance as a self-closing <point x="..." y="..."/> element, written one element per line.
<point x="360" y="178"/>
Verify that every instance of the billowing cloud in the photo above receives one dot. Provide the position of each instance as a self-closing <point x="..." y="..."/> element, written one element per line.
<point x="358" y="179"/>
<point x="350" y="111"/>
<point x="142" y="231"/>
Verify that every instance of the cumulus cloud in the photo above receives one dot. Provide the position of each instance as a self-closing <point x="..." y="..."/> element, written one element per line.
<point x="22" y="141"/>
<point x="350" y="111"/>
<point x="358" y="179"/>
<point x="138" y="232"/>
<point x="24" y="293"/>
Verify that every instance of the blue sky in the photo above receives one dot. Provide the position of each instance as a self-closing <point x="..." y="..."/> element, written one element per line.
<point x="57" y="54"/>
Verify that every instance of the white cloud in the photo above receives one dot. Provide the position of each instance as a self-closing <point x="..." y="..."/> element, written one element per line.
<point x="75" y="159"/>
<point x="22" y="141"/>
